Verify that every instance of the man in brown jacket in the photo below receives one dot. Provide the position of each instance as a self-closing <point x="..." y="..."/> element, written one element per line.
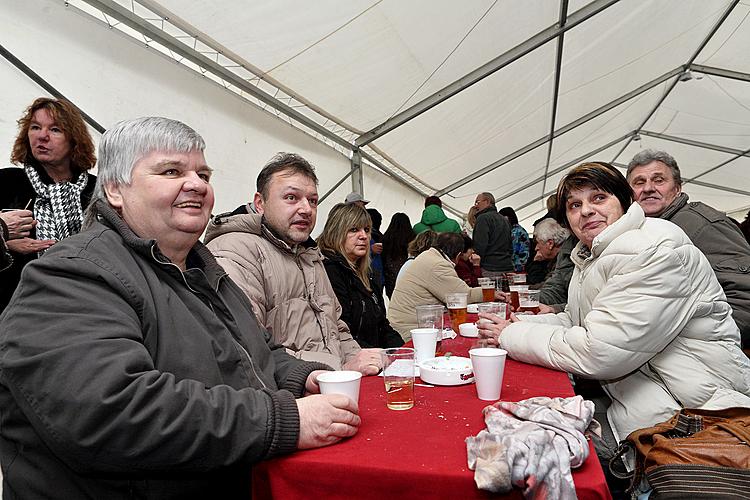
<point x="271" y="256"/>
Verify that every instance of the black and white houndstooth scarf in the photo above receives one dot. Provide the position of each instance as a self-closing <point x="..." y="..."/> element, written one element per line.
<point x="57" y="207"/>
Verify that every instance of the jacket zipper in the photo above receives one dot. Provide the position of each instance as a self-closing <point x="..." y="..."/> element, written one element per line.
<point x="242" y="349"/>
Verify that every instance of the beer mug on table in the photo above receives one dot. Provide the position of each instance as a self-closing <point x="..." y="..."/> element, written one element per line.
<point x="488" y="288"/>
<point x="457" y="303"/>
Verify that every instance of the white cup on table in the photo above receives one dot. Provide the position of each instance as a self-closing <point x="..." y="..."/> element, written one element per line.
<point x="425" y="343"/>
<point x="344" y="382"/>
<point x="488" y="364"/>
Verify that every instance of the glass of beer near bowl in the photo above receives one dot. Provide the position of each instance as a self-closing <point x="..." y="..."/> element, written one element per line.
<point x="457" y="303"/>
<point x="398" y="374"/>
<point x="488" y="288"/>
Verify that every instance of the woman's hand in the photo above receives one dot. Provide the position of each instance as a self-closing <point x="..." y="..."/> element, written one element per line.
<point x="490" y="330"/>
<point x="19" y="222"/>
<point x="28" y="245"/>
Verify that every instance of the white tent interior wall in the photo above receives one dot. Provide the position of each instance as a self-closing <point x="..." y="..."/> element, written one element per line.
<point x="449" y="97"/>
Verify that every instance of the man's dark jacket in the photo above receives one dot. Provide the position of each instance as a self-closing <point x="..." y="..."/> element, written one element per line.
<point x="123" y="377"/>
<point x="493" y="241"/>
<point x="726" y="249"/>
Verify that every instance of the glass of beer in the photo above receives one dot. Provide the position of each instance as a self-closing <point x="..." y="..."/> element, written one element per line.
<point x="398" y="373"/>
<point x="488" y="289"/>
<point x="431" y="316"/>
<point x="528" y="300"/>
<point x="491" y="308"/>
<point x="457" y="303"/>
<point x="515" y="290"/>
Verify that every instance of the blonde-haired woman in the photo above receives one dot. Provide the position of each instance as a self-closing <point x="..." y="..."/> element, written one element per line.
<point x="345" y="243"/>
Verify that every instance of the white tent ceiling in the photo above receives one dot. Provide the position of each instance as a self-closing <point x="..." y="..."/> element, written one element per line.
<point x="456" y="98"/>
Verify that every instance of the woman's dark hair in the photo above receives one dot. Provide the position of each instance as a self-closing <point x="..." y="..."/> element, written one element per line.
<point x="397" y="237"/>
<point x="468" y="242"/>
<point x="451" y="244"/>
<point x="377" y="219"/>
<point x="510" y="214"/>
<point x="599" y="175"/>
<point x="432" y="200"/>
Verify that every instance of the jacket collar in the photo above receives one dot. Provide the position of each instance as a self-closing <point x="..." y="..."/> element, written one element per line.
<point x="198" y="257"/>
<point x="490" y="209"/>
<point x="674" y="207"/>
<point x="632" y="219"/>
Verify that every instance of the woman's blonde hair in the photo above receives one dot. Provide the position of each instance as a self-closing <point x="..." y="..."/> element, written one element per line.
<point x="342" y="218"/>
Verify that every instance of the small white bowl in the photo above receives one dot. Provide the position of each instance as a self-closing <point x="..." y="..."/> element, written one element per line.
<point x="468" y="330"/>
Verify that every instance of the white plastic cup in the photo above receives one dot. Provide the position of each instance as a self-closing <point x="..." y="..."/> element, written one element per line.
<point x="425" y="343"/>
<point x="344" y="382"/>
<point x="488" y="364"/>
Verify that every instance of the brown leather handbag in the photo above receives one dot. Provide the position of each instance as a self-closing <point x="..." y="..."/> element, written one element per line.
<point x="696" y="454"/>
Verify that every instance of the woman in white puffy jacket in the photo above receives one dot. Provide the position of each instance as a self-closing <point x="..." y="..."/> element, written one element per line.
<point x="645" y="315"/>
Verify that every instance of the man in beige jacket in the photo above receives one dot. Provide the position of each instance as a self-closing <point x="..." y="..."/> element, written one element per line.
<point x="271" y="256"/>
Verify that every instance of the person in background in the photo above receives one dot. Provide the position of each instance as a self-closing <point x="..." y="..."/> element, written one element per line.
<point x="467" y="264"/>
<point x="356" y="198"/>
<point x="376" y="249"/>
<point x="345" y="244"/>
<point x="471" y="221"/>
<point x="549" y="237"/>
<point x="429" y="280"/>
<point x="421" y="243"/>
<point x="395" y="248"/>
<point x="656" y="181"/>
<point x="537" y="271"/>
<point x="271" y="256"/>
<point x="434" y="218"/>
<point x="745" y="227"/>
<point x="133" y="366"/>
<point x="520" y="239"/>
<point x="52" y="189"/>
<point x="492" y="238"/>
<point x="646" y="315"/>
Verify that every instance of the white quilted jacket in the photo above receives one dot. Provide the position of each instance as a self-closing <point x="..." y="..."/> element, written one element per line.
<point x="647" y="317"/>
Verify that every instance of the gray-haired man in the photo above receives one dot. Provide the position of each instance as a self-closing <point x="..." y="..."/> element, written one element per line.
<point x="657" y="184"/>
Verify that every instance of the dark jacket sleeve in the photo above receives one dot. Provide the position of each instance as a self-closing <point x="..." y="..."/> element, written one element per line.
<point x="555" y="289"/>
<point x="72" y="354"/>
<point x="390" y="337"/>
<point x="481" y="234"/>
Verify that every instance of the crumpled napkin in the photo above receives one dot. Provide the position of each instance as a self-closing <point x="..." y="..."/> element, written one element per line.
<point x="532" y="444"/>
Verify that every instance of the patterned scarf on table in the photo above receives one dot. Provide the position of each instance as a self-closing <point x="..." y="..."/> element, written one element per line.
<point x="57" y="207"/>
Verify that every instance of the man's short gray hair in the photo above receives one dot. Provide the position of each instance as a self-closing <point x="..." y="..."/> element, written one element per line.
<point x="123" y="145"/>
<point x="489" y="197"/>
<point x="549" y="229"/>
<point x="648" y="155"/>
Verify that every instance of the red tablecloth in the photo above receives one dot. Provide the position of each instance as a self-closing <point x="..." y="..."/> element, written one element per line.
<point x="418" y="452"/>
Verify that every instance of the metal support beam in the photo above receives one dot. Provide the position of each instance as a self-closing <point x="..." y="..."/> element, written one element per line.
<point x="556" y="89"/>
<point x="563" y="167"/>
<point x="726" y="162"/>
<point x="47" y="86"/>
<point x="113" y="9"/>
<point x="686" y="66"/>
<point x="725" y="73"/>
<point x="356" y="171"/>
<point x="335" y="186"/>
<point x="401" y="181"/>
<point x="567" y="128"/>
<point x="486" y="70"/>
<point x="691" y="142"/>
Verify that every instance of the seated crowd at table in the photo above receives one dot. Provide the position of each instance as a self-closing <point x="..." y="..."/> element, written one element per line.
<point x="137" y="360"/>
